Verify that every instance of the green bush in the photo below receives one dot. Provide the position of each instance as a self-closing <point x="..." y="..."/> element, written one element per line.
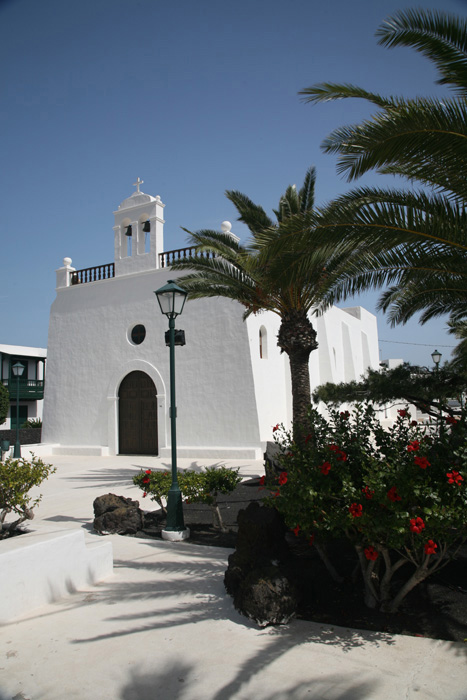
<point x="156" y="485"/>
<point x="32" y="423"/>
<point x="205" y="486"/>
<point x="17" y="477"/>
<point x="399" y="495"/>
<point x="4" y="403"/>
<point x="196" y="487"/>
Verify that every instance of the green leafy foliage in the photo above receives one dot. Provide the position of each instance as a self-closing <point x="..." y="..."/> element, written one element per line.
<point x="196" y="487"/>
<point x="17" y="477"/>
<point x="399" y="495"/>
<point x="413" y="243"/>
<point x="4" y="403"/>
<point x="32" y="423"/>
<point x="429" y="391"/>
<point x="156" y="485"/>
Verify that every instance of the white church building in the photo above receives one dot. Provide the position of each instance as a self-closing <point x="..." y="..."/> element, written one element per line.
<point x="107" y="389"/>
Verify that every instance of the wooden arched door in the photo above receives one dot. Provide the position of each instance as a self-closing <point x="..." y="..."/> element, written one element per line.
<point x="137" y="419"/>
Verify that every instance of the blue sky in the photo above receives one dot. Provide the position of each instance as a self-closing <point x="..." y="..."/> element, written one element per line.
<point x="194" y="98"/>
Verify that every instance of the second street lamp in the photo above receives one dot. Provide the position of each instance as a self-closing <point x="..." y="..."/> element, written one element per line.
<point x="436" y="357"/>
<point x="17" y="370"/>
<point x="171" y="300"/>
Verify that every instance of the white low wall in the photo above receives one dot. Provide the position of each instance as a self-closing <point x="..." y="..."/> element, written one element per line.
<point x="39" y="568"/>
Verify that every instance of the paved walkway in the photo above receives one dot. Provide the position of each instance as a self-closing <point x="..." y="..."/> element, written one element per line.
<point x="162" y="627"/>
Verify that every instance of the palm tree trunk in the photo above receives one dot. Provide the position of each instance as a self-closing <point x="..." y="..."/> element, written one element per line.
<point x="297" y="338"/>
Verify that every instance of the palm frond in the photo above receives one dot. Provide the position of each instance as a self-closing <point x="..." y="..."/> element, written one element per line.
<point x="327" y="92"/>
<point x="251" y="214"/>
<point x="439" y="36"/>
<point x="424" y="139"/>
<point x="307" y="192"/>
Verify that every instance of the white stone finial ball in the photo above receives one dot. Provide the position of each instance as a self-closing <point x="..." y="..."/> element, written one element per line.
<point x="226" y="226"/>
<point x="67" y="262"/>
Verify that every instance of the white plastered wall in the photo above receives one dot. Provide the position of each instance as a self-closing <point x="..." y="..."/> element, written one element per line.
<point x="90" y="352"/>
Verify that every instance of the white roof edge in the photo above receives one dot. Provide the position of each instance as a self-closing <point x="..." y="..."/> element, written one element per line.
<point x="23" y="350"/>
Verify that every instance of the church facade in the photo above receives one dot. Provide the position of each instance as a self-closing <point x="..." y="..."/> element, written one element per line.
<point x="108" y="389"/>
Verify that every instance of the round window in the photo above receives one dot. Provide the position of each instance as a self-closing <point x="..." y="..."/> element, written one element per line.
<point x="138" y="334"/>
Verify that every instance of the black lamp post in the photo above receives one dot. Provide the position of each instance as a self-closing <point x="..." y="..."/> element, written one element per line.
<point x="436" y="357"/>
<point x="171" y="300"/>
<point x="17" y="370"/>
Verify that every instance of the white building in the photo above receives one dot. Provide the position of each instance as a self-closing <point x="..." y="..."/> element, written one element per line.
<point x="108" y="365"/>
<point x="30" y="385"/>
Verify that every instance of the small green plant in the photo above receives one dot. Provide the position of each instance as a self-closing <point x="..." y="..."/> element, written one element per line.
<point x="156" y="485"/>
<point x="32" y="423"/>
<point x="196" y="487"/>
<point x="17" y="477"/>
<point x="205" y="486"/>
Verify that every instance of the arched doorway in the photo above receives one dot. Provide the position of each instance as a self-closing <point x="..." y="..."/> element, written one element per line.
<point x="137" y="415"/>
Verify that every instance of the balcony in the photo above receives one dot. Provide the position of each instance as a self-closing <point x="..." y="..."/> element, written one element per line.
<point x="32" y="389"/>
<point x="172" y="256"/>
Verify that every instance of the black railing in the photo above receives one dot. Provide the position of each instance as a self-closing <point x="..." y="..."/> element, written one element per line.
<point x="93" y="274"/>
<point x="172" y="256"/>
<point x="28" y="388"/>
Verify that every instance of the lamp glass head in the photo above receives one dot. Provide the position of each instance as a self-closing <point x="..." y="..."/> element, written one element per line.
<point x="18" y="369"/>
<point x="171" y="299"/>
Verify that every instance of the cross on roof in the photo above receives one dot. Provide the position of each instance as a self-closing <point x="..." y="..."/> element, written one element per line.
<point x="137" y="185"/>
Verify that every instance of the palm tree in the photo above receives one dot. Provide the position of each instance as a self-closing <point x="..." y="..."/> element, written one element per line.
<point x="413" y="241"/>
<point x="262" y="281"/>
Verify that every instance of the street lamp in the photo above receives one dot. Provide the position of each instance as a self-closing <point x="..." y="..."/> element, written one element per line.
<point x="171" y="300"/>
<point x="436" y="357"/>
<point x="17" y="370"/>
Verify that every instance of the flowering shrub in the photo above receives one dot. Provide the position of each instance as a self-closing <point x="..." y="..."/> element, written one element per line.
<point x="156" y="485"/>
<point x="196" y="487"/>
<point x="398" y="495"/>
<point x="17" y="477"/>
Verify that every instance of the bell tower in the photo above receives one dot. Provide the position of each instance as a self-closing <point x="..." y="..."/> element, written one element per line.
<point x="138" y="232"/>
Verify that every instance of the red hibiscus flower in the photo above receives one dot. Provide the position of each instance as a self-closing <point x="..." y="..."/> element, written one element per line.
<point x="340" y="454"/>
<point x="276" y="427"/>
<point x="368" y="493"/>
<point x="355" y="510"/>
<point x="282" y="478"/>
<point x="417" y="525"/>
<point x="403" y="413"/>
<point x="393" y="495"/>
<point x="413" y="446"/>
<point x="146" y="480"/>
<point x="312" y="539"/>
<point x="450" y="420"/>
<point x="275" y="495"/>
<point x="144" y="494"/>
<point x="454" y="477"/>
<point x="422" y="462"/>
<point x="414" y="423"/>
<point x="371" y="553"/>
<point x="325" y="468"/>
<point x="431" y="547"/>
<point x="262" y="480"/>
<point x="296" y="530"/>
<point x="148" y="471"/>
